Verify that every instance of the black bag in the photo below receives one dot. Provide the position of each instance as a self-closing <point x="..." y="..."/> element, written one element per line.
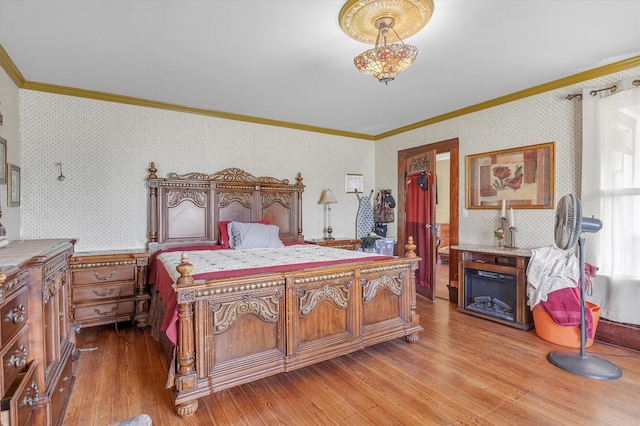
<point x="380" y="229"/>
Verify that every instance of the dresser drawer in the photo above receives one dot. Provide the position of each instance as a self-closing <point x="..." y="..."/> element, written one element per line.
<point x="92" y="293"/>
<point x="14" y="358"/>
<point x="62" y="390"/>
<point x="105" y="311"/>
<point x="104" y="274"/>
<point x="18" y="403"/>
<point x="14" y="315"/>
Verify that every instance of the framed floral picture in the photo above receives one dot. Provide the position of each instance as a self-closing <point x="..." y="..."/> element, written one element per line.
<point x="13" y="186"/>
<point x="523" y="177"/>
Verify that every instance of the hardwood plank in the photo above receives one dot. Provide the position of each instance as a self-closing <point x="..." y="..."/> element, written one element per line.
<point x="463" y="370"/>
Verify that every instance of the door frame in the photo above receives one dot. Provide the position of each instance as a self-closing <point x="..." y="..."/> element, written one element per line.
<point x="451" y="146"/>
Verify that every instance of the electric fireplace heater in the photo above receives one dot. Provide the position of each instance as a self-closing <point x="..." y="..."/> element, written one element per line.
<point x="493" y="285"/>
<point x="490" y="293"/>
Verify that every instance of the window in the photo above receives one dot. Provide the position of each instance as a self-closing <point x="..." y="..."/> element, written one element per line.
<point x="611" y="181"/>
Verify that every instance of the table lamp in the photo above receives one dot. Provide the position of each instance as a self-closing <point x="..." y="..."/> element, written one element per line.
<point x="327" y="198"/>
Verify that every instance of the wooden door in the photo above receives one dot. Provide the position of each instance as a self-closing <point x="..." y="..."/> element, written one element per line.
<point x="415" y="160"/>
<point x="419" y="205"/>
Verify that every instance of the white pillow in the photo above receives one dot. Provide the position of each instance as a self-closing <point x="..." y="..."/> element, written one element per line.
<point x="244" y="236"/>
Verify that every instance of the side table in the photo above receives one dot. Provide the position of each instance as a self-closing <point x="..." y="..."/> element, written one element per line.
<point x="343" y="243"/>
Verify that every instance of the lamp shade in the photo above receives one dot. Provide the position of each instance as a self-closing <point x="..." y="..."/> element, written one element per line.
<point x="327" y="197"/>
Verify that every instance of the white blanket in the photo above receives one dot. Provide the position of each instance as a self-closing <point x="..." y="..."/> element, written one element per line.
<point x="205" y="261"/>
<point x="550" y="269"/>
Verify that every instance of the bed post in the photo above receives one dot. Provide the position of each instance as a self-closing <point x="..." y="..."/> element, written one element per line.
<point x="186" y="370"/>
<point x="410" y="248"/>
<point x="153" y="206"/>
<point x="301" y="187"/>
<point x="410" y="252"/>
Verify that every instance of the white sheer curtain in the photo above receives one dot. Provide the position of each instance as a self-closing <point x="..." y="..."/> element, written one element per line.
<point x="611" y="192"/>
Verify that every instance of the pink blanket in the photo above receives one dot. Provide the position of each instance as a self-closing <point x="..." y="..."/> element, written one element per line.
<point x="564" y="305"/>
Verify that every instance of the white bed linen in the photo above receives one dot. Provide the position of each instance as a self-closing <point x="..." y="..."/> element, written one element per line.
<point x="205" y="261"/>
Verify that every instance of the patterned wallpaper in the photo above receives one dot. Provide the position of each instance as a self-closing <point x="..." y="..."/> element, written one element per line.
<point x="105" y="149"/>
<point x="10" y="130"/>
<point x="547" y="117"/>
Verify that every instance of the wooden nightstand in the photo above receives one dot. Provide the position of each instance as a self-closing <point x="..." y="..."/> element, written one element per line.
<point x="343" y="243"/>
<point x="109" y="286"/>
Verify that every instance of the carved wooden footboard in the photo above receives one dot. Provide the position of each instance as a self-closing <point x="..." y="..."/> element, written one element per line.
<point x="239" y="330"/>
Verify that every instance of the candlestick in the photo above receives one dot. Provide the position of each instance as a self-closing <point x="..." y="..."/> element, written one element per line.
<point x="504" y="206"/>
<point x="512" y="232"/>
<point x="511" y="221"/>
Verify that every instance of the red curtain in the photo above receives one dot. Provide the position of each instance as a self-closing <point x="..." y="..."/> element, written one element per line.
<point x="418" y="216"/>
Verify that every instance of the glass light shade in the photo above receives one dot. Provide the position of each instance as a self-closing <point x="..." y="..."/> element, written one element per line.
<point x="384" y="62"/>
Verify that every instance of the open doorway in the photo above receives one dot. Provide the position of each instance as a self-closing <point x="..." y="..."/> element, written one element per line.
<point x="437" y="261"/>
<point x="442" y="213"/>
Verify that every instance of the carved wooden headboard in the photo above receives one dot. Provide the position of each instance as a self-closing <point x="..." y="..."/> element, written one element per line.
<point x="185" y="209"/>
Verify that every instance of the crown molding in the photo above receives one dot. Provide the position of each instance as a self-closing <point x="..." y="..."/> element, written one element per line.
<point x="536" y="90"/>
<point x="13" y="72"/>
<point x="110" y="97"/>
<point x="10" y="68"/>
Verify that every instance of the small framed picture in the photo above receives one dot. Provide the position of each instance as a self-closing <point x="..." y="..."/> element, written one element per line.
<point x="13" y="185"/>
<point x="353" y="183"/>
<point x="3" y="160"/>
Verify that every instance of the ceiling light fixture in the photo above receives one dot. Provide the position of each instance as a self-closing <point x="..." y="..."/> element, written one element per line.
<point x="377" y="21"/>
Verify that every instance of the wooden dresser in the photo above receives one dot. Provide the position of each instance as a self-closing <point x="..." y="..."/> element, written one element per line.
<point x="37" y="341"/>
<point x="109" y="287"/>
<point x="343" y="243"/>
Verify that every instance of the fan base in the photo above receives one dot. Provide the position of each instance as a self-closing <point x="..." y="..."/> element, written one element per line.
<point x="589" y="366"/>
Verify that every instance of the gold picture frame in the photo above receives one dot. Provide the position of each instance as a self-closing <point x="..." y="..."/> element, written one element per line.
<point x="353" y="183"/>
<point x="3" y="160"/>
<point x="13" y="185"/>
<point x="523" y="177"/>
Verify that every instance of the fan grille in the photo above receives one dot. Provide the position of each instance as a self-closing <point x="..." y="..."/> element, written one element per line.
<point x="568" y="222"/>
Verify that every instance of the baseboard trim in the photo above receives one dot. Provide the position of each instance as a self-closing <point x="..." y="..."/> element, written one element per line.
<point x="618" y="334"/>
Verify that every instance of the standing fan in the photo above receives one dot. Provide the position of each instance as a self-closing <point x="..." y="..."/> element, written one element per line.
<point x="568" y="231"/>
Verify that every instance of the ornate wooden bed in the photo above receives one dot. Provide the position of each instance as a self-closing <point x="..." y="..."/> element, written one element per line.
<point x="231" y="331"/>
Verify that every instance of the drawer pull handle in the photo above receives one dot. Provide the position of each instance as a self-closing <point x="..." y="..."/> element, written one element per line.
<point x="19" y="361"/>
<point x="29" y="399"/>
<point x="17" y="314"/>
<point x="105" y="294"/>
<point x="104" y="314"/>
<point x="99" y="278"/>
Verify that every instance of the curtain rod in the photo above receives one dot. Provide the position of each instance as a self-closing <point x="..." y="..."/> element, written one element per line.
<point x="613" y="89"/>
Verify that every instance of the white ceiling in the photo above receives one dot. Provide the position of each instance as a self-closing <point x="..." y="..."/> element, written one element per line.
<point x="288" y="60"/>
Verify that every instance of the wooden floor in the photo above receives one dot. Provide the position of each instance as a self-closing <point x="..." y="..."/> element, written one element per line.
<point x="462" y="371"/>
<point x="442" y="279"/>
